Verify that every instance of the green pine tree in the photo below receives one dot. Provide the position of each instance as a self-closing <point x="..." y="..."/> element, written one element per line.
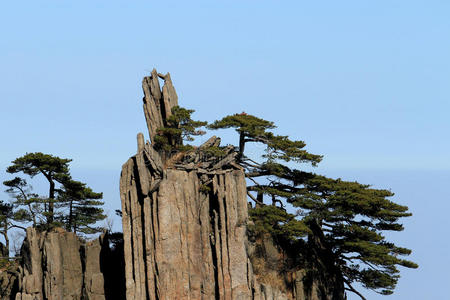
<point x="6" y="215"/>
<point x="342" y="220"/>
<point x="53" y="168"/>
<point x="83" y="208"/>
<point x="179" y="127"/>
<point x="28" y="206"/>
<point x="70" y="203"/>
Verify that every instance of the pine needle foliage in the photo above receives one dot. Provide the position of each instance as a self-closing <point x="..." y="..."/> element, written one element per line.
<point x="6" y="215"/>
<point x="70" y="203"/>
<point x="26" y="204"/>
<point x="53" y="168"/>
<point x="83" y="207"/>
<point x="179" y="127"/>
<point x="254" y="129"/>
<point x="348" y="218"/>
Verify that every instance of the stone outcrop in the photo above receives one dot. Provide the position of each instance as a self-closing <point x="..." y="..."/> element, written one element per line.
<point x="9" y="281"/>
<point x="158" y="103"/>
<point x="185" y="235"/>
<point x="184" y="217"/>
<point x="185" y="223"/>
<point x="58" y="265"/>
<point x="48" y="270"/>
<point x="182" y="243"/>
<point x="273" y="268"/>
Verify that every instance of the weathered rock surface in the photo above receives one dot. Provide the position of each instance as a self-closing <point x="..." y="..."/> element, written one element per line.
<point x="58" y="265"/>
<point x="185" y="224"/>
<point x="184" y="218"/>
<point x="158" y="104"/>
<point x="9" y="281"/>
<point x="185" y="236"/>
<point x="273" y="269"/>
<point x="182" y="243"/>
<point x="51" y="266"/>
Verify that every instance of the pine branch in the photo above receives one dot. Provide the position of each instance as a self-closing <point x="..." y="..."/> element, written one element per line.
<point x="257" y="174"/>
<point x="17" y="226"/>
<point x="352" y="289"/>
<point x="253" y="198"/>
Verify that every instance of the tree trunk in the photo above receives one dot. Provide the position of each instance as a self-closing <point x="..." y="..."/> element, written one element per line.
<point x="51" y="196"/>
<point x="33" y="215"/>
<point x="69" y="225"/>
<point x="241" y="145"/>
<point x="5" y="235"/>
<point x="260" y="198"/>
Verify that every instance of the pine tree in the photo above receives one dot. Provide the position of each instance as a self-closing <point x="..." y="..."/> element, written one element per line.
<point x="6" y="214"/>
<point x="9" y="216"/>
<point x="82" y="207"/>
<point x="352" y="218"/>
<point x="179" y="127"/>
<point x="28" y="206"/>
<point x="342" y="220"/>
<point x="53" y="168"/>
<point x="70" y="203"/>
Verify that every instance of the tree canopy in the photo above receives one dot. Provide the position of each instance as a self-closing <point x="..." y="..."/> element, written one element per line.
<point x="6" y="216"/>
<point x="179" y="127"/>
<point x="69" y="203"/>
<point x="83" y="207"/>
<point x="27" y="204"/>
<point x="53" y="168"/>
<point x="348" y="218"/>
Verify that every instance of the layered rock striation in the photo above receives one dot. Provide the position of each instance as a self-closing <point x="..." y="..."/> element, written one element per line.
<point x="58" y="265"/>
<point x="185" y="218"/>
<point x="183" y="243"/>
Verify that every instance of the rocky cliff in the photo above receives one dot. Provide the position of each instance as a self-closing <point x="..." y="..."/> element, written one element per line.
<point x="58" y="265"/>
<point x="185" y="235"/>
<point x="185" y="222"/>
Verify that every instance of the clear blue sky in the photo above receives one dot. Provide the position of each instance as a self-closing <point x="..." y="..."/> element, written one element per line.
<point x="366" y="83"/>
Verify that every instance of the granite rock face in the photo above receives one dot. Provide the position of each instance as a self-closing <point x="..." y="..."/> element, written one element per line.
<point x="158" y="103"/>
<point x="181" y="243"/>
<point x="9" y="280"/>
<point x="184" y="217"/>
<point x="273" y="269"/>
<point x="58" y="265"/>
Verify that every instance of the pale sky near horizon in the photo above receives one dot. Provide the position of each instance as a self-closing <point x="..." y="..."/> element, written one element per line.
<point x="365" y="83"/>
